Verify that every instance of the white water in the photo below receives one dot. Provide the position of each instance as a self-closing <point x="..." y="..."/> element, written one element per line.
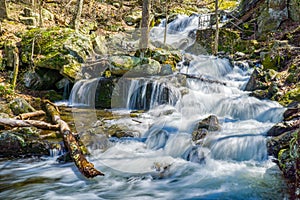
<point x="162" y="162"/>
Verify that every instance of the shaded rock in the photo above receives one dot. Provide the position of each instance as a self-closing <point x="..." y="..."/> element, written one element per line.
<point x="20" y="105"/>
<point x="41" y="79"/>
<point x="22" y="142"/>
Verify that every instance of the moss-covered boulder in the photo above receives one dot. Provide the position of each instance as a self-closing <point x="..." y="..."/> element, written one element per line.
<point x="133" y="66"/>
<point x="56" y="48"/>
<point x="21" y="142"/>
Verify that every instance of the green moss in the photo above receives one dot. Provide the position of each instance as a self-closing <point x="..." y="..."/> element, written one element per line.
<point x="290" y="96"/>
<point x="269" y="62"/>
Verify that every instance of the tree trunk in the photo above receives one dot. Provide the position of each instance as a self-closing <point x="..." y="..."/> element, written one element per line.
<point x="16" y="67"/>
<point x="76" y="17"/>
<point x="217" y="28"/>
<point x="84" y="166"/>
<point x="144" y="41"/>
<point x="28" y="123"/>
<point x="166" y="24"/>
<point x="3" y="10"/>
<point x="41" y="21"/>
<point x="30" y="114"/>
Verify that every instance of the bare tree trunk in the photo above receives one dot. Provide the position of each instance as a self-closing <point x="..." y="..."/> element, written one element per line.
<point x="16" y="67"/>
<point x="28" y="123"/>
<point x="41" y="21"/>
<point x="166" y="24"/>
<point x="144" y="41"/>
<point x="217" y="28"/>
<point x="76" y="17"/>
<point x="30" y="114"/>
<point x="3" y="10"/>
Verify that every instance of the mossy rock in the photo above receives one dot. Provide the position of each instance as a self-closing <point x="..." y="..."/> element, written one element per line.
<point x="22" y="142"/>
<point x="56" y="48"/>
<point x="290" y="96"/>
<point x="19" y="106"/>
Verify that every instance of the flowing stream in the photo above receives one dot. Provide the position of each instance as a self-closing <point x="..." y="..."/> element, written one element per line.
<point x="161" y="161"/>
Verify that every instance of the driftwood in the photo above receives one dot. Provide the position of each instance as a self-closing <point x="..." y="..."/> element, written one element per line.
<point x="203" y="79"/>
<point x="28" y="123"/>
<point x="30" y="114"/>
<point x="84" y="166"/>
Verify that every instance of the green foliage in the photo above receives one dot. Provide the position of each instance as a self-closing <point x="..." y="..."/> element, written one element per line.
<point x="6" y="90"/>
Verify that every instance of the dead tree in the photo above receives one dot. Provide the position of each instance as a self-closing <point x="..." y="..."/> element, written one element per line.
<point x="144" y="40"/>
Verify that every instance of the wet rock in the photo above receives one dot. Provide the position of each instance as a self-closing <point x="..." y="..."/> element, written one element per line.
<point x="20" y="105"/>
<point x="283" y="127"/>
<point x="210" y="123"/>
<point x="22" y="142"/>
<point x="204" y="126"/>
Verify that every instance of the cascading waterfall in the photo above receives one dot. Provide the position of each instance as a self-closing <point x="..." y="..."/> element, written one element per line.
<point x="162" y="161"/>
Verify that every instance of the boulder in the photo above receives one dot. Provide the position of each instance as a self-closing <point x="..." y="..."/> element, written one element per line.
<point x="134" y="66"/>
<point x="22" y="142"/>
<point x="271" y="15"/>
<point x="20" y="105"/>
<point x="203" y="127"/>
<point x="41" y="79"/>
<point x="122" y="64"/>
<point x="56" y="48"/>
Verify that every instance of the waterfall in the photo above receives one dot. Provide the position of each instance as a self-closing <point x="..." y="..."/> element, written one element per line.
<point x="162" y="160"/>
<point x="83" y="92"/>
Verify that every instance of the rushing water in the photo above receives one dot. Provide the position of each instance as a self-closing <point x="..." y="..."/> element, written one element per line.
<point x="162" y="161"/>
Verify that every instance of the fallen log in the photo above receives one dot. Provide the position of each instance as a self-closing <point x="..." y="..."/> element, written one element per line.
<point x="84" y="166"/>
<point x="28" y="123"/>
<point x="203" y="79"/>
<point x="30" y="114"/>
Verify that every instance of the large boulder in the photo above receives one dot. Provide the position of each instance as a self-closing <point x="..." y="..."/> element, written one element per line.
<point x="60" y="49"/>
<point x="22" y="142"/>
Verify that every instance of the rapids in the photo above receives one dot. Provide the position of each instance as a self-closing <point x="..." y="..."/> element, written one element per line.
<point x="161" y="161"/>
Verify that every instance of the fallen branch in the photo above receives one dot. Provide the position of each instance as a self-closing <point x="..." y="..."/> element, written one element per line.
<point x="84" y="166"/>
<point x="30" y="114"/>
<point x="28" y="123"/>
<point x="203" y="79"/>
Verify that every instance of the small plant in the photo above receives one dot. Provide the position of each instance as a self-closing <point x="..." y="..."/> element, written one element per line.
<point x="6" y="90"/>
